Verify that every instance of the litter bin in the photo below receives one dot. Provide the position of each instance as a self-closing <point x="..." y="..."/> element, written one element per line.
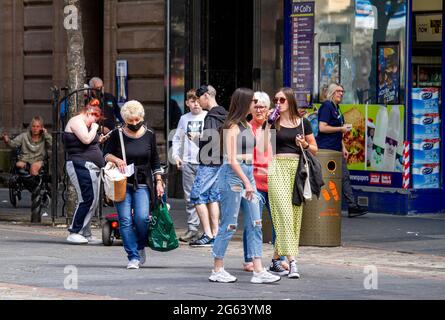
<point x="321" y="222"/>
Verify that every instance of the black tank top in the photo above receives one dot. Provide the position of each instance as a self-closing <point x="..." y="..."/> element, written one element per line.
<point x="78" y="151"/>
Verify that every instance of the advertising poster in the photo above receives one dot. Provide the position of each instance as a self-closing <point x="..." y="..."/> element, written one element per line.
<point x="388" y="72"/>
<point x="375" y="143"/>
<point x="302" y="55"/>
<point x="329" y="66"/>
<point x="355" y="139"/>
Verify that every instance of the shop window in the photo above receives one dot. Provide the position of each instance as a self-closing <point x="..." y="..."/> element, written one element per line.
<point x="360" y="43"/>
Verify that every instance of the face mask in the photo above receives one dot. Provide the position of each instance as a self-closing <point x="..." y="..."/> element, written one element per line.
<point x="135" y="127"/>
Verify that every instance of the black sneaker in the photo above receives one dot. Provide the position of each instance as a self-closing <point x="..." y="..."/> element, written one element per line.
<point x="356" y="211"/>
<point x="277" y="268"/>
<point x="204" y="241"/>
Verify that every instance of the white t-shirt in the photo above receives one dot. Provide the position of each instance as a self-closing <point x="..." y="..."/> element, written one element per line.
<point x="186" y="138"/>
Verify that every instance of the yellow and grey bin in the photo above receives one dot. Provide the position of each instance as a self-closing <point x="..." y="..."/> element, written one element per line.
<point x="321" y="223"/>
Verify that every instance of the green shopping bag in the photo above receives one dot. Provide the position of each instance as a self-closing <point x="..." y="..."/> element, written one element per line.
<point x="162" y="235"/>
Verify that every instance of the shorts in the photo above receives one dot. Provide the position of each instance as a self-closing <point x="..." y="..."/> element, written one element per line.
<point x="205" y="187"/>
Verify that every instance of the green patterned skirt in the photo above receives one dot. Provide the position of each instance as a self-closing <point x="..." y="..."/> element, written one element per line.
<point x="286" y="217"/>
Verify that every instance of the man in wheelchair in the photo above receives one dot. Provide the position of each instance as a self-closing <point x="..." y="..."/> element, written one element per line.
<point x="33" y="146"/>
<point x="28" y="168"/>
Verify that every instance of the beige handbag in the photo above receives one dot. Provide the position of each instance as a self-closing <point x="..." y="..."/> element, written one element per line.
<point x="115" y="182"/>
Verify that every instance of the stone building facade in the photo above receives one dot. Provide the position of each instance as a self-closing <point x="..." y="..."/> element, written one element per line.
<point x="33" y="54"/>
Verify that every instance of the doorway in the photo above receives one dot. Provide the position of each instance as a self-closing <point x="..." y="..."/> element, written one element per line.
<point x="93" y="32"/>
<point x="226" y="41"/>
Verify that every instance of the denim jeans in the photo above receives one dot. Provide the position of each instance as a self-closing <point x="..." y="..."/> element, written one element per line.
<point x="134" y="227"/>
<point x="231" y="189"/>
<point x="205" y="186"/>
<point x="265" y="197"/>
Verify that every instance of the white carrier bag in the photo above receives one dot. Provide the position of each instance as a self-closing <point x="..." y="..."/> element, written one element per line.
<point x="115" y="182"/>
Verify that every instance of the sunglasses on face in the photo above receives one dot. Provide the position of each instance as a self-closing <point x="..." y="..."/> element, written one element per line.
<point x="280" y="100"/>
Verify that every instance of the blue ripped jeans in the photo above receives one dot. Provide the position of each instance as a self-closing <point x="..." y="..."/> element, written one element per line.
<point x="265" y="201"/>
<point x="231" y="189"/>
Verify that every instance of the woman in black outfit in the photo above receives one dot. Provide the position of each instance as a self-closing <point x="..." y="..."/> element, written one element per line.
<point x="140" y="149"/>
<point x="83" y="163"/>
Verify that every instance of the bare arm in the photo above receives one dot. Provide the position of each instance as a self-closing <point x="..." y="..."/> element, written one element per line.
<point x="79" y="128"/>
<point x="325" y="128"/>
<point x="233" y="161"/>
<point x="308" y="143"/>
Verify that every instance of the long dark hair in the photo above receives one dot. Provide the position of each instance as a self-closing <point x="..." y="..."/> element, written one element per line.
<point x="292" y="102"/>
<point x="238" y="110"/>
<point x="239" y="107"/>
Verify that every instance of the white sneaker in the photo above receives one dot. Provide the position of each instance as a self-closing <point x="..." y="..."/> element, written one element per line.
<point x="76" y="238"/>
<point x="142" y="256"/>
<point x="264" y="277"/>
<point x="133" y="264"/>
<point x="93" y="240"/>
<point x="293" y="270"/>
<point x="222" y="276"/>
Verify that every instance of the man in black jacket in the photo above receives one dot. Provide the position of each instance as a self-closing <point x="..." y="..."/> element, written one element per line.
<point x="204" y="194"/>
<point x="111" y="111"/>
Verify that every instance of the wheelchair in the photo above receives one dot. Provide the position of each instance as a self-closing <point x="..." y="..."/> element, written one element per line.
<point x="39" y="187"/>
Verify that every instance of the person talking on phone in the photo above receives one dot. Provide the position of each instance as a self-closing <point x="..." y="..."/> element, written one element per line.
<point x="331" y="128"/>
<point x="83" y="162"/>
<point x="33" y="144"/>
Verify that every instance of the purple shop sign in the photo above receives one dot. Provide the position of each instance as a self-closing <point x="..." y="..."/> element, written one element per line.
<point x="302" y="54"/>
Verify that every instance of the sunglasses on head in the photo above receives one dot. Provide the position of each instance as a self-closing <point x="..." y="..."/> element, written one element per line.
<point x="280" y="100"/>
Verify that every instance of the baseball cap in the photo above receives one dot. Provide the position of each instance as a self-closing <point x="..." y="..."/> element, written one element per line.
<point x="201" y="90"/>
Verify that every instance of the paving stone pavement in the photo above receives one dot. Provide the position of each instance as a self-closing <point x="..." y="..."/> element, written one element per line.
<point x="408" y="253"/>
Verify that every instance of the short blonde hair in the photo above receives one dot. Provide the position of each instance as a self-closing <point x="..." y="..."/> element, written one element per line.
<point x="263" y="98"/>
<point x="131" y="109"/>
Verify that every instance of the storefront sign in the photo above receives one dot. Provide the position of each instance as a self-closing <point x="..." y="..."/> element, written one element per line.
<point x="302" y="61"/>
<point x="365" y="15"/>
<point x="429" y="27"/>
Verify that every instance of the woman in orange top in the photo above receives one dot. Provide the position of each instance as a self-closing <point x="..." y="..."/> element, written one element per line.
<point x="261" y="162"/>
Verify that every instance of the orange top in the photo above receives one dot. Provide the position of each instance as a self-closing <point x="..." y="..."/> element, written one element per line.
<point x="260" y="162"/>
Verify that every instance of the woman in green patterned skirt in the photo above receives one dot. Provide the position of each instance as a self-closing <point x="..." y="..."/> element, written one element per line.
<point x="290" y="138"/>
